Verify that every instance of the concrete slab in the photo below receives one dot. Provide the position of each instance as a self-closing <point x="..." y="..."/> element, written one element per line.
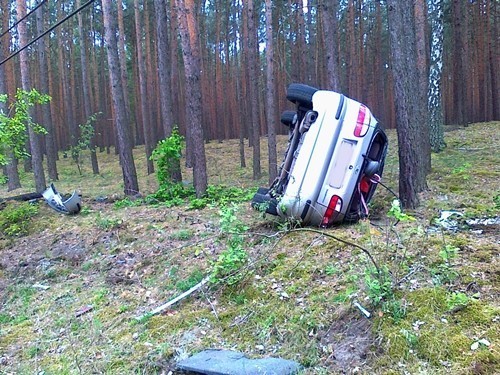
<point x="227" y="362"/>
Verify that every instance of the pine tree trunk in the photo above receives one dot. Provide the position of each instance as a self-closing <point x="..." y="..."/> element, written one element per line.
<point x="65" y="72"/>
<point x="143" y="99"/>
<point x="408" y="114"/>
<point x="328" y="14"/>
<point x="270" y="95"/>
<point x="436" y="119"/>
<point x="34" y="140"/>
<point x="50" y="145"/>
<point x="123" y="70"/>
<point x="131" y="186"/>
<point x="423" y="79"/>
<point x="253" y="87"/>
<point x="494" y="60"/>
<point x="87" y="106"/>
<point x="162" y="31"/>
<point x="192" y="63"/>
<point x="164" y="67"/>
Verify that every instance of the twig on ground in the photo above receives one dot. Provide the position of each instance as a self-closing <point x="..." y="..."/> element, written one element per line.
<point x="337" y="239"/>
<point x="407" y="276"/>
<point x="211" y="305"/>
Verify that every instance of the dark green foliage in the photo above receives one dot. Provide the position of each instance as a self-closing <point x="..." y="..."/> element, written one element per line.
<point x="167" y="155"/>
<point x="15" y="219"/>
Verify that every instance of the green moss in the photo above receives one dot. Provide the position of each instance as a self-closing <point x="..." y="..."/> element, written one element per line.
<point x="433" y="348"/>
<point x="429" y="333"/>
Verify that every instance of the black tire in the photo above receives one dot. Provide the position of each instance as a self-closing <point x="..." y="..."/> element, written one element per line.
<point x="301" y="94"/>
<point x="288" y="118"/>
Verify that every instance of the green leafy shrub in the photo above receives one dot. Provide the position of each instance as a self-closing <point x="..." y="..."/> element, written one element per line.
<point x="234" y="257"/>
<point x="84" y="142"/>
<point x="378" y="285"/>
<point x="15" y="219"/>
<point x="167" y="155"/>
<point x="397" y="213"/>
<point x="457" y="300"/>
<point x="13" y="134"/>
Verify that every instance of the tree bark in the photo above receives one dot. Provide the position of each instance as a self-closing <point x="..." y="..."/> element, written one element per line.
<point x="162" y="31"/>
<point x="436" y="118"/>
<point x="143" y="99"/>
<point x="412" y="178"/>
<point x="87" y="106"/>
<point x="192" y="62"/>
<point x="270" y="92"/>
<point x="131" y="186"/>
<point x="253" y="87"/>
<point x="50" y="142"/>
<point x="423" y="77"/>
<point x="164" y="67"/>
<point x="123" y="70"/>
<point x="34" y="140"/>
<point x="494" y="60"/>
<point x="458" y="63"/>
<point x="328" y="14"/>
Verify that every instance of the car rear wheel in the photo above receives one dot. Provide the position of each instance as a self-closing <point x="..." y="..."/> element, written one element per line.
<point x="289" y="118"/>
<point x="301" y="94"/>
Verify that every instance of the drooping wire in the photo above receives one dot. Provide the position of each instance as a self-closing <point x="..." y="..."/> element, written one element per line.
<point x="72" y="14"/>
<point x="24" y="17"/>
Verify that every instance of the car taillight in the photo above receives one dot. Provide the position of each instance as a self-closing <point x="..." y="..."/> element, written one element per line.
<point x="332" y="210"/>
<point x="363" y="122"/>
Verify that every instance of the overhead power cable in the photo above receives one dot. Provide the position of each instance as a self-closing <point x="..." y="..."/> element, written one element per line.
<point x="72" y="14"/>
<point x="25" y="16"/>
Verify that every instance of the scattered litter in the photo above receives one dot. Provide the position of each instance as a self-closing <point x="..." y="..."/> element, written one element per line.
<point x="40" y="286"/>
<point x="83" y="310"/>
<point x="70" y="206"/>
<point x="450" y="220"/>
<point x="484" y="221"/>
<point x="224" y="362"/>
<point x="455" y="220"/>
<point x="482" y="342"/>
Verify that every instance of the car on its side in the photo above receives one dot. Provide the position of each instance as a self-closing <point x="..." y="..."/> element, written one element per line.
<point x="333" y="162"/>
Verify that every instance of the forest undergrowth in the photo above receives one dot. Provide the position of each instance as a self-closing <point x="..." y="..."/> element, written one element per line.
<point x="72" y="287"/>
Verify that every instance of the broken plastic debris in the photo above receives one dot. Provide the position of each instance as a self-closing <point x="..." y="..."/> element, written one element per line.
<point x="40" y="286"/>
<point x="449" y="220"/>
<point x="70" y="206"/>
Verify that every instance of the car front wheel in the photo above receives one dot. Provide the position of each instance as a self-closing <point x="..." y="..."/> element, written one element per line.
<point x="301" y="94"/>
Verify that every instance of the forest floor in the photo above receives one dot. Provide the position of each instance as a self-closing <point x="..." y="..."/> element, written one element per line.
<point x="71" y="287"/>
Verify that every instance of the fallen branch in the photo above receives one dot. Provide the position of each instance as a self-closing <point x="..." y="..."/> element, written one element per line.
<point x="180" y="297"/>
<point x="340" y="240"/>
<point x="23" y="197"/>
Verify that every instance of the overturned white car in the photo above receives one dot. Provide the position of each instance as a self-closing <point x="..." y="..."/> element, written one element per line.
<point x="333" y="162"/>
